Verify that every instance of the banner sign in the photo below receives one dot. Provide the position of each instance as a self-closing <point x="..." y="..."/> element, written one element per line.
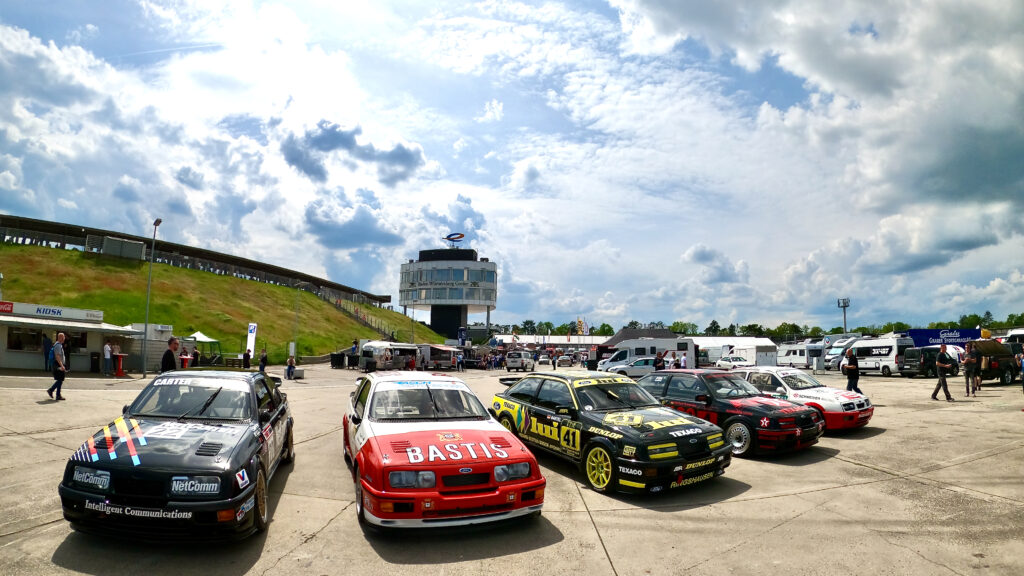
<point x="462" y="336"/>
<point x="250" y="339"/>
<point x="956" y="336"/>
<point x="41" y="311"/>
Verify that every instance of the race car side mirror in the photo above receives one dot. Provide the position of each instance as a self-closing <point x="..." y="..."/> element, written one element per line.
<point x="264" y="416"/>
<point x="124" y="409"/>
<point x="781" y="390"/>
<point x="355" y="420"/>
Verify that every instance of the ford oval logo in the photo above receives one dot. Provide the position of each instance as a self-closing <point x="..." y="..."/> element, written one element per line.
<point x="693" y="440"/>
<point x="465" y="470"/>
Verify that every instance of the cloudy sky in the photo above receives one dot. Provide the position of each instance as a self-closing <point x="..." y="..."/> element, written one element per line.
<point x="629" y="159"/>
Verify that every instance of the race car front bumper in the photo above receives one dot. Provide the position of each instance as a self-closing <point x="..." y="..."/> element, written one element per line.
<point x="774" y="440"/>
<point x="421" y="508"/>
<point x="177" y="520"/>
<point x="649" y="476"/>
<point x="851" y="419"/>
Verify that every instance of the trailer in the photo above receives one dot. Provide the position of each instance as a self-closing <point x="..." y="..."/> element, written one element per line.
<point x="709" y="349"/>
<point x="437" y="357"/>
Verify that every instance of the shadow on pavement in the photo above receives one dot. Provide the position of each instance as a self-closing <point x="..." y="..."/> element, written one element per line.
<point x="102" y="554"/>
<point x="443" y="546"/>
<point x="856" y="433"/>
<point x="805" y="457"/>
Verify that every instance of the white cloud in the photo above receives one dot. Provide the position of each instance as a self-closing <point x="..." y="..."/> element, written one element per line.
<point x="82" y="33"/>
<point x="494" y="111"/>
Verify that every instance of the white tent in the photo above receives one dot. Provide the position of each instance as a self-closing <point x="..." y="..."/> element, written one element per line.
<point x="200" y="337"/>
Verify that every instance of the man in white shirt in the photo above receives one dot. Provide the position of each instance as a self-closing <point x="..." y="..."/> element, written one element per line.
<point x="682" y="361"/>
<point x="107" y="366"/>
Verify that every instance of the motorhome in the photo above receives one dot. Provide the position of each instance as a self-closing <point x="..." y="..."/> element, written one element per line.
<point x="878" y="354"/>
<point x="383" y="355"/>
<point x="437" y="356"/>
<point x="837" y="350"/>
<point x="794" y="355"/>
<point x="629" y="350"/>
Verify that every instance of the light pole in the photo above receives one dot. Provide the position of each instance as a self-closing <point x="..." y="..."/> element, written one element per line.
<point x="149" y="286"/>
<point x="844" y="303"/>
<point x="295" y="329"/>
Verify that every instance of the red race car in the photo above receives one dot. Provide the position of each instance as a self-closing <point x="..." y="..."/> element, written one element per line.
<point x="425" y="452"/>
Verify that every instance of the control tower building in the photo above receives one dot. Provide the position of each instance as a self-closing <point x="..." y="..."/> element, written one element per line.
<point x="451" y="283"/>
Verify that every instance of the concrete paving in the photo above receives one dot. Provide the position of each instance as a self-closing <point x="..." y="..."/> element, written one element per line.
<point x="927" y="488"/>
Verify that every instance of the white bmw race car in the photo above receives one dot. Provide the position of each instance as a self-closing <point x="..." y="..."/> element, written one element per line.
<point x="839" y="408"/>
<point x="425" y="452"/>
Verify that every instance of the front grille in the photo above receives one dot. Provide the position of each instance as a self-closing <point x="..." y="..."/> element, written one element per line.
<point x="466" y="479"/>
<point x="137" y="492"/>
<point x="209" y="449"/>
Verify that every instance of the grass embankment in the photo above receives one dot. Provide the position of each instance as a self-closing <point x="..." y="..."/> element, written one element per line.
<point x="190" y="300"/>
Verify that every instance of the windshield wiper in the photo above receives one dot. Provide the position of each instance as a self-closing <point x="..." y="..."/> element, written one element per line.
<point x="205" y="404"/>
<point x="434" y="402"/>
<point x="615" y="396"/>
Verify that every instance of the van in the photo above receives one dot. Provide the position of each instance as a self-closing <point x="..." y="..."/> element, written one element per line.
<point x="878" y="354"/>
<point x="921" y="361"/>
<point x="519" y="360"/>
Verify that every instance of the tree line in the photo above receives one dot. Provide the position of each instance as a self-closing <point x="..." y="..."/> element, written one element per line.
<point x="784" y="331"/>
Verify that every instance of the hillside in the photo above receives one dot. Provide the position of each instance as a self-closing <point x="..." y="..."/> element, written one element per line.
<point x="190" y="300"/>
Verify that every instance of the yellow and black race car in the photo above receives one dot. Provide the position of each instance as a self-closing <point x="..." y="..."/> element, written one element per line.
<point x="621" y="436"/>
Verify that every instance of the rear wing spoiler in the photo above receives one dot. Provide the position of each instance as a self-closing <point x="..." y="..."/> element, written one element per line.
<point x="509" y="380"/>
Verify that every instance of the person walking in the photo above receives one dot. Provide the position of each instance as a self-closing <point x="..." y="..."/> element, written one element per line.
<point x="943" y="363"/>
<point x="60" y="367"/>
<point x="972" y="369"/>
<point x="107" y="360"/>
<point x="852" y="372"/>
<point x="263" y="359"/>
<point x="247" y="359"/>
<point x="170" y="358"/>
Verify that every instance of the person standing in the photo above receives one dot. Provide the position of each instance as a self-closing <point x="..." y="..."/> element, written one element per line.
<point x="852" y="372"/>
<point x="47" y="346"/>
<point x="290" y="370"/>
<point x="247" y="359"/>
<point x="263" y="359"/>
<point x="459" y="362"/>
<point x="972" y="369"/>
<point x="682" y="361"/>
<point x="60" y="367"/>
<point x="107" y="364"/>
<point x="170" y="358"/>
<point x="659" y="362"/>
<point x="943" y="363"/>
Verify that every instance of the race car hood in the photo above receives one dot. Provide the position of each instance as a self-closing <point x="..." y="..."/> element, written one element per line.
<point x="827" y="394"/>
<point x="650" y="424"/>
<point x="165" y="443"/>
<point x="765" y="406"/>
<point x="444" y="442"/>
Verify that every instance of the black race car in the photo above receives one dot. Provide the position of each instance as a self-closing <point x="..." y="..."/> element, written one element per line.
<point x="189" y="458"/>
<point x="621" y="437"/>
<point x="752" y="422"/>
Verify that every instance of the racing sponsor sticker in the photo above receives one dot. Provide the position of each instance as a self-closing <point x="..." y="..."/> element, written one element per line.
<point x="175" y="430"/>
<point x="686" y="432"/>
<point x="464" y="450"/>
<point x="195" y="485"/>
<point x="242" y="477"/>
<point x="96" y="478"/>
<point x="631" y="471"/>
<point x="244" y="508"/>
<point x="694" y="480"/>
<point x="605" y="433"/>
<point x="116" y="510"/>
<point x="449" y="437"/>
<point x="629" y="450"/>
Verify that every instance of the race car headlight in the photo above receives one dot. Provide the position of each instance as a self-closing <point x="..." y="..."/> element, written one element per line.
<point x="847" y="406"/>
<point x="195" y="485"/>
<point x="867" y="402"/>
<point x="516" y="471"/>
<point x="412" y="479"/>
<point x="91" y="479"/>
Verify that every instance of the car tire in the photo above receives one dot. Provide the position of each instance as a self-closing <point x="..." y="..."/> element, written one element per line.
<point x="740" y="436"/>
<point x="288" y="456"/>
<point x="843" y="370"/>
<point x="509" y="425"/>
<point x="261" y="513"/>
<point x="1006" y="377"/>
<point x="886" y="371"/>
<point x="358" y="500"/>
<point x="599" y="468"/>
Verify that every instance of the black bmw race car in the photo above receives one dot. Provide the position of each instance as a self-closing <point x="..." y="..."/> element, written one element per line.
<point x="190" y="458"/>
<point x="620" y="436"/>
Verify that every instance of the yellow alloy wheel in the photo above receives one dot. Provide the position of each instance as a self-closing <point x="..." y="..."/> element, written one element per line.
<point x="599" y="468"/>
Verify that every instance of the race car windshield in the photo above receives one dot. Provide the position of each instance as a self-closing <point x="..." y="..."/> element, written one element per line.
<point x="189" y="399"/>
<point x="425" y="403"/>
<point x="727" y="385"/>
<point x="614" y="396"/>
<point x="801" y="381"/>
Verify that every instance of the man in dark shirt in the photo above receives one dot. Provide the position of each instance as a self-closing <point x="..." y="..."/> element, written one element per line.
<point x="852" y="372"/>
<point x="247" y="359"/>
<point x="943" y="363"/>
<point x="972" y="369"/>
<point x="170" y="359"/>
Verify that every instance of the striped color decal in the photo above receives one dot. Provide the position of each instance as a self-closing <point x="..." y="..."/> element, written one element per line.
<point x="126" y="437"/>
<point x="631" y="484"/>
<point x="138" y="432"/>
<point x="110" y="443"/>
<point x="92" y="450"/>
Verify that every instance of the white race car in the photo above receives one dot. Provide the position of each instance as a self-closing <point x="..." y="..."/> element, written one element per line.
<point x="425" y="452"/>
<point x="839" y="408"/>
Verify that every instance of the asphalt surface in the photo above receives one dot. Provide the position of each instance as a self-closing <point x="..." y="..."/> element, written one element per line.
<point x="926" y="488"/>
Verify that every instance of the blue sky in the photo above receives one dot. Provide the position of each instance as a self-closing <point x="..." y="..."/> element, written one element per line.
<point x="629" y="159"/>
